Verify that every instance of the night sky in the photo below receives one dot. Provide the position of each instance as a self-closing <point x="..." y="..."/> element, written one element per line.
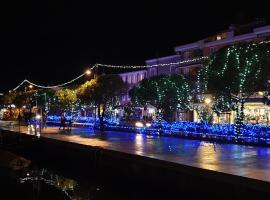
<point x="50" y="42"/>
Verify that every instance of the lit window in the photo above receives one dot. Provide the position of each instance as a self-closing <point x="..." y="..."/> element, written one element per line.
<point x="219" y="37"/>
<point x="141" y="77"/>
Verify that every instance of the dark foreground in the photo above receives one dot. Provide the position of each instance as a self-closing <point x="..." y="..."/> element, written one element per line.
<point x="130" y="166"/>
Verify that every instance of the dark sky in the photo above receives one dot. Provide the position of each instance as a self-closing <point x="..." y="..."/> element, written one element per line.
<point x="54" y="41"/>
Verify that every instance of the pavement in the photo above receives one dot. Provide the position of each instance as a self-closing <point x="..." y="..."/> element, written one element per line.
<point x="239" y="160"/>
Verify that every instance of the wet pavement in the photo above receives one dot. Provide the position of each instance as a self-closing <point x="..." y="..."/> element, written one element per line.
<point x="247" y="161"/>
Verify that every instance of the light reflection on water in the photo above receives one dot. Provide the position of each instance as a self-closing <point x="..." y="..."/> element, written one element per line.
<point x="71" y="188"/>
<point x="235" y="159"/>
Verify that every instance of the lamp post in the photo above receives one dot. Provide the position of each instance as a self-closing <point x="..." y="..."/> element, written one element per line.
<point x="88" y="73"/>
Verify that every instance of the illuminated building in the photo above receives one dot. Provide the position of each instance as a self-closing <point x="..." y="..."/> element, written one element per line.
<point x="255" y="110"/>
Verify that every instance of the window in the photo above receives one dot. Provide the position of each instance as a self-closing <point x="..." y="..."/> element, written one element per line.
<point x="219" y="37"/>
<point x="129" y="79"/>
<point x="141" y="77"/>
<point x="185" y="71"/>
<point x="134" y="78"/>
<point x="172" y="69"/>
<point x="213" y="49"/>
<point x="186" y="55"/>
<point x="152" y="71"/>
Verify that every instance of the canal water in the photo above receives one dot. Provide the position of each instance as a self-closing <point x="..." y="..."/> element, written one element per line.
<point x="40" y="181"/>
<point x="36" y="182"/>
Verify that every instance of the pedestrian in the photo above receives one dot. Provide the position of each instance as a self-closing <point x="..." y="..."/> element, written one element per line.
<point x="69" y="124"/>
<point x="19" y="118"/>
<point x="44" y="121"/>
<point x="144" y="112"/>
<point x="62" y="122"/>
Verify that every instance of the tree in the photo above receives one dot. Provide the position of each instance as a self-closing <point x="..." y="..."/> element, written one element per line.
<point x="102" y="92"/>
<point x="7" y="100"/>
<point x="23" y="98"/>
<point x="166" y="93"/>
<point x="67" y="99"/>
<point x="128" y="111"/>
<point x="233" y="74"/>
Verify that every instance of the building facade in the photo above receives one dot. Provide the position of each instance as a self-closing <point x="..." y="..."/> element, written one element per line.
<point x="132" y="79"/>
<point x="190" y="58"/>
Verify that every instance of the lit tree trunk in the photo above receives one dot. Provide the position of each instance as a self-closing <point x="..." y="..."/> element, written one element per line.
<point x="101" y="115"/>
<point x="239" y="117"/>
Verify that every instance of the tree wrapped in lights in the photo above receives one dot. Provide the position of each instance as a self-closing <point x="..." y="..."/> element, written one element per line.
<point x="102" y="92"/>
<point x="67" y="99"/>
<point x="233" y="74"/>
<point x="167" y="93"/>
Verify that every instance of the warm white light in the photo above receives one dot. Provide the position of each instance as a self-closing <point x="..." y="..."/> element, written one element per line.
<point x="218" y="37"/>
<point x="148" y="124"/>
<point x="88" y="72"/>
<point x="151" y="110"/>
<point x="38" y="116"/>
<point x="260" y="93"/>
<point x="207" y="100"/>
<point x="139" y="124"/>
<point x="30" y="86"/>
<point x="4" y="110"/>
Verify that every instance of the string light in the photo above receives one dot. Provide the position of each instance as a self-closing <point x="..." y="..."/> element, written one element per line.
<point x="88" y="72"/>
<point x="155" y="65"/>
<point x="127" y="67"/>
<point x="243" y="63"/>
<point x="250" y="134"/>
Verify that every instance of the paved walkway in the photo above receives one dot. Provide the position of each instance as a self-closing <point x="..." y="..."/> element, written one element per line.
<point x="247" y="161"/>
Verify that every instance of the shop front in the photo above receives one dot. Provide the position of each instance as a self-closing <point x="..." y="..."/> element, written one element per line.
<point x="254" y="113"/>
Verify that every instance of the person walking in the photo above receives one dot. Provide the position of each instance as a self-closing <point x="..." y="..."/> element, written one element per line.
<point x="62" y="122"/>
<point x="70" y="124"/>
<point x="44" y="121"/>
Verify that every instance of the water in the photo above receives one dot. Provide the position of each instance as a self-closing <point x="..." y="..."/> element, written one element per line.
<point x="40" y="181"/>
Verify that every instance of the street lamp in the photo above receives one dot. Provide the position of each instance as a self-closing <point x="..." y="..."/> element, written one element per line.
<point x="88" y="72"/>
<point x="207" y="101"/>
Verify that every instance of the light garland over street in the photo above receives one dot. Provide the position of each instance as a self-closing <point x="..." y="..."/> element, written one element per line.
<point x="119" y="67"/>
<point x="109" y="66"/>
